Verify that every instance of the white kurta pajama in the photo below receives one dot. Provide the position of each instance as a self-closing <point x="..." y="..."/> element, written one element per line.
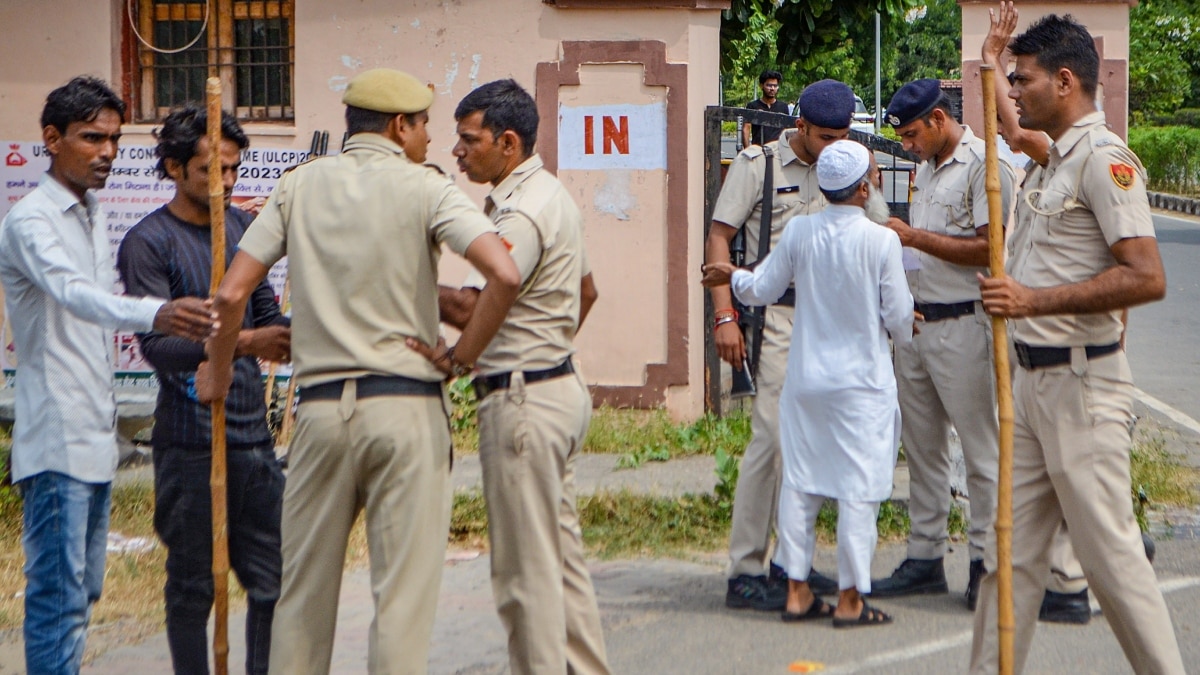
<point x="839" y="416"/>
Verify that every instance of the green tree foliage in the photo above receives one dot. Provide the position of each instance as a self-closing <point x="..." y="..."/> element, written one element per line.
<point x="1164" y="56"/>
<point x="808" y="40"/>
<point x="931" y="45"/>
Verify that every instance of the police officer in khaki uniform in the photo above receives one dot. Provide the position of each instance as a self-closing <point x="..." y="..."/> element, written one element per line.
<point x="825" y="110"/>
<point x="1090" y="253"/>
<point x="1066" y="599"/>
<point x="363" y="232"/>
<point x="945" y="375"/>
<point x="534" y="407"/>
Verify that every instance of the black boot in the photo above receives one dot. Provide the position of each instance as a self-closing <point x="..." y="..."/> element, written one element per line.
<point x="1066" y="608"/>
<point x="756" y="592"/>
<point x="976" y="575"/>
<point x="912" y="577"/>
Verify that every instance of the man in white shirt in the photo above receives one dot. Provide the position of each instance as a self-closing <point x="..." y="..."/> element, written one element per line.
<point x="839" y="415"/>
<point x="58" y="277"/>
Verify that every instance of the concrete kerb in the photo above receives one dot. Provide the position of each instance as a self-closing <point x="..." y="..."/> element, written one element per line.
<point x="1169" y="202"/>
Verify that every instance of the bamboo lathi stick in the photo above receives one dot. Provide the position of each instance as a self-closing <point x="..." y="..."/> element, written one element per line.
<point x="220" y="548"/>
<point x="1004" y="502"/>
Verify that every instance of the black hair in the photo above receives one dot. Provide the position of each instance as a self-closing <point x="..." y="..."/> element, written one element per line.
<point x="843" y="195"/>
<point x="363" y="121"/>
<point x="182" y="130"/>
<point x="505" y="106"/>
<point x="770" y="75"/>
<point x="1061" y="42"/>
<point x="80" y="100"/>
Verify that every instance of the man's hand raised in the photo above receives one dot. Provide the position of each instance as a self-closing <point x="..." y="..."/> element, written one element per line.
<point x="190" y="318"/>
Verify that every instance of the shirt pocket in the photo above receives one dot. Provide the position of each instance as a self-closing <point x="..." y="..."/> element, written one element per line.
<point x="788" y="202"/>
<point x="949" y="213"/>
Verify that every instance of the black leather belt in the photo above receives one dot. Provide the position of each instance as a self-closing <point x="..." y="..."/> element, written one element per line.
<point x="486" y="384"/>
<point x="372" y="385"/>
<point x="788" y="299"/>
<point x="1032" y="358"/>
<point x="937" y="312"/>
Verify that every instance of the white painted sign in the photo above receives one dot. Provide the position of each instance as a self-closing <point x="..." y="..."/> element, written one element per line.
<point x="134" y="190"/>
<point x="612" y="137"/>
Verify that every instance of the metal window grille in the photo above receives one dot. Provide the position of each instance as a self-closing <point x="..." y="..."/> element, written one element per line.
<point x="249" y="44"/>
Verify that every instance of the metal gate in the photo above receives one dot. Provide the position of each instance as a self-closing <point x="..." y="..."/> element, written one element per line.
<point x="895" y="164"/>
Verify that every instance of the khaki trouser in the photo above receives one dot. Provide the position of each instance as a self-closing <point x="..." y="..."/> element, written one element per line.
<point x="389" y="455"/>
<point x="946" y="376"/>
<point x="756" y="501"/>
<point x="529" y="436"/>
<point x="1071" y="461"/>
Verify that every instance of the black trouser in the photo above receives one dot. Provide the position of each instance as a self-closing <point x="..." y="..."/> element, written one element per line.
<point x="183" y="519"/>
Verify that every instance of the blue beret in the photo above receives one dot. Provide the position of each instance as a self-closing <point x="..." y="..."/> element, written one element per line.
<point x="914" y="100"/>
<point x="827" y="103"/>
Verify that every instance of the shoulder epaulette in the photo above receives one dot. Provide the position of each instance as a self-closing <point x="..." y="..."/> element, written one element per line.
<point x="312" y="158"/>
<point x="753" y="152"/>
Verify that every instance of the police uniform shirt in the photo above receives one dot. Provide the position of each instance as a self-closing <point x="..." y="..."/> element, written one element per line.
<point x="796" y="191"/>
<point x="543" y="230"/>
<point x="951" y="199"/>
<point x="1092" y="195"/>
<point x="1016" y="237"/>
<point x="362" y="231"/>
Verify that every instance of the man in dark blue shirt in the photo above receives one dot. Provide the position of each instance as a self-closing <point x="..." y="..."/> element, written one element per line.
<point x="758" y="134"/>
<point x="168" y="254"/>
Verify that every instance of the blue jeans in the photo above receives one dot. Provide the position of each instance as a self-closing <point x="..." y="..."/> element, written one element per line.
<point x="66" y="530"/>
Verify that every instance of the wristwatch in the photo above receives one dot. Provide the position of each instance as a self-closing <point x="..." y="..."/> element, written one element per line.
<point x="457" y="368"/>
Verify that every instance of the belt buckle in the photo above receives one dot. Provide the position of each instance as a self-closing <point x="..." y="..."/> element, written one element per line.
<point x="1023" y="355"/>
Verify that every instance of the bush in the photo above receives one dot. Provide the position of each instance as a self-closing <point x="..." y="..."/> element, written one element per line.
<point x="1184" y="117"/>
<point x="1171" y="156"/>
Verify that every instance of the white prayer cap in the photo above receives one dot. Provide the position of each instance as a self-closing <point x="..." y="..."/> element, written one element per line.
<point x="842" y="164"/>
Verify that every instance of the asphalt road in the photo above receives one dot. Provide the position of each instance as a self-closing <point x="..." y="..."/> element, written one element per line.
<point x="1163" y="340"/>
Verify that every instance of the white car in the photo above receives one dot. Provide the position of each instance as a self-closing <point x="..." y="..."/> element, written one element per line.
<point x="862" y="120"/>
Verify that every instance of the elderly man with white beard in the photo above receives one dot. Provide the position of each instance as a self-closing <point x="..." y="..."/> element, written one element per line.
<point x="839" y="416"/>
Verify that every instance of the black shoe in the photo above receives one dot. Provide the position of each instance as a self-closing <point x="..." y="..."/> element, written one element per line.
<point x="1148" y="543"/>
<point x="1066" y="608"/>
<point x="758" y="593"/>
<point x="818" y="583"/>
<point x="912" y="577"/>
<point x="821" y="584"/>
<point x="976" y="575"/>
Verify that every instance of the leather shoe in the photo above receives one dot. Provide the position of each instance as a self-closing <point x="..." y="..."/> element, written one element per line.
<point x="976" y="575"/>
<point x="1066" y="608"/>
<point x="756" y="592"/>
<point x="912" y="577"/>
<point x="818" y="583"/>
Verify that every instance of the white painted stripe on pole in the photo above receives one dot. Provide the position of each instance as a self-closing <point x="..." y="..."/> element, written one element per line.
<point x="895" y="656"/>
<point x="1176" y="416"/>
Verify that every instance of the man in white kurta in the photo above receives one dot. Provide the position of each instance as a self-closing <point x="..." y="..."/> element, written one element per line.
<point x="839" y="416"/>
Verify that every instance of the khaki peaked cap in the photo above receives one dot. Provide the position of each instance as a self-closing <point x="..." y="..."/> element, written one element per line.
<point x="387" y="91"/>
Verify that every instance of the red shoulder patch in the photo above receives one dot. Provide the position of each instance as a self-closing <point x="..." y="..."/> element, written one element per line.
<point x="1122" y="174"/>
<point x="507" y="244"/>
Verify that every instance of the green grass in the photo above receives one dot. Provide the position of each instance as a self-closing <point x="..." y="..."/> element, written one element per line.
<point x="651" y="435"/>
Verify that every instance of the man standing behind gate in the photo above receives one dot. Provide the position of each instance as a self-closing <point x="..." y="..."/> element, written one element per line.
<point x="534" y="407"/>
<point x="945" y="375"/>
<point x="825" y="109"/>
